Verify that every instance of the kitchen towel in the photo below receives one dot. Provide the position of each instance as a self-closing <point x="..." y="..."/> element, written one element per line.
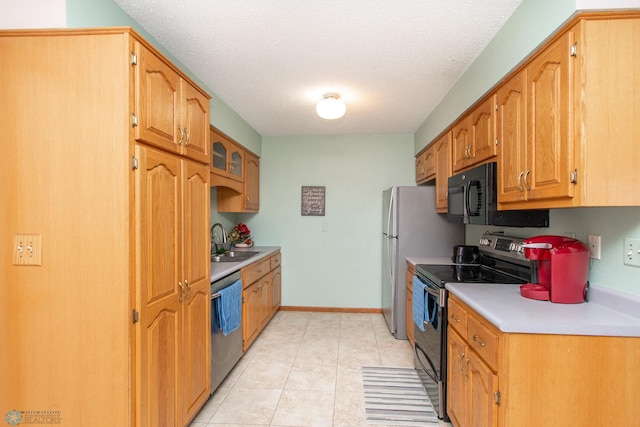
<point x="229" y="307"/>
<point x="418" y="303"/>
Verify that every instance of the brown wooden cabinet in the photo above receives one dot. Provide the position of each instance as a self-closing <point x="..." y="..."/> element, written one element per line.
<point x="411" y="271"/>
<point x="248" y="198"/>
<point x="425" y="165"/>
<point x="511" y="133"/>
<point x="226" y="156"/>
<point x="235" y="173"/>
<point x="472" y="384"/>
<point x="537" y="165"/>
<point x="492" y="375"/>
<point x="261" y="282"/>
<point x="251" y="199"/>
<point x="276" y="282"/>
<point x="577" y="91"/>
<point x="124" y="221"/>
<point x="550" y="123"/>
<point x="173" y="219"/>
<point x="171" y="113"/>
<point x="474" y="137"/>
<point x="442" y="154"/>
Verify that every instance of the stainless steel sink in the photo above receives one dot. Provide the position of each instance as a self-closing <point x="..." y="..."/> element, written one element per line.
<point x="233" y="256"/>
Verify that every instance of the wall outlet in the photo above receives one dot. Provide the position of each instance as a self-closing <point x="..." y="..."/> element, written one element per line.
<point x="632" y="252"/>
<point x="594" y="246"/>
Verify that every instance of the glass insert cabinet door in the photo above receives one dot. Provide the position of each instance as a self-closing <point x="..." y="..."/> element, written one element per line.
<point x="235" y="165"/>
<point x="219" y="156"/>
<point x="227" y="159"/>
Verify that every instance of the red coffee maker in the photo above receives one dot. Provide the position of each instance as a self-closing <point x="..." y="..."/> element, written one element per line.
<point x="560" y="269"/>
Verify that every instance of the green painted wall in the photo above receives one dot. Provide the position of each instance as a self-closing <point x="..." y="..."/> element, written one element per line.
<point x="340" y="267"/>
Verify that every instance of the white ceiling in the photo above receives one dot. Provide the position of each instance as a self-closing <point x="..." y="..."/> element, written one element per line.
<point x="392" y="62"/>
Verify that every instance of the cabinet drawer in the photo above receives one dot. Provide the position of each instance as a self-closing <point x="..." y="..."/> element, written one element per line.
<point x="255" y="271"/>
<point x="457" y="317"/>
<point x="484" y="341"/>
<point x="275" y="261"/>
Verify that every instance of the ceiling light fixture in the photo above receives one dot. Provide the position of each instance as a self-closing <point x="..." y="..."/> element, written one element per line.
<point x="330" y="107"/>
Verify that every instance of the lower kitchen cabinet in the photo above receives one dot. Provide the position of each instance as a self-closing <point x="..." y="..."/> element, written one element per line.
<point x="516" y="379"/>
<point x="277" y="289"/>
<point x="261" y="283"/>
<point x="411" y="271"/>
<point x="473" y="387"/>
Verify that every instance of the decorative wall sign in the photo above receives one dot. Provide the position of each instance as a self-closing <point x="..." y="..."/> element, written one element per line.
<point x="313" y="200"/>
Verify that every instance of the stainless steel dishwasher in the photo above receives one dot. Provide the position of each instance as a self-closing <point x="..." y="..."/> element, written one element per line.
<point x="226" y="350"/>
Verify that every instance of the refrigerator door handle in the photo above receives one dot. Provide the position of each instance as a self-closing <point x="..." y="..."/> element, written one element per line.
<point x="391" y="203"/>
<point x="390" y="257"/>
<point x="391" y="239"/>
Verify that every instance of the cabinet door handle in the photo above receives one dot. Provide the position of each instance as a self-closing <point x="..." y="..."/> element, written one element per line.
<point x="453" y="316"/>
<point x="519" y="184"/>
<point x="181" y="291"/>
<point x="466" y="363"/>
<point x="526" y="176"/>
<point x="181" y="135"/>
<point x="460" y="359"/>
<point x="186" y="282"/>
<point x="477" y="340"/>
<point x="188" y="141"/>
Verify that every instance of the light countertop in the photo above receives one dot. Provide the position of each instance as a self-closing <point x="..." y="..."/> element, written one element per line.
<point x="443" y="260"/>
<point x="222" y="269"/>
<point x="608" y="312"/>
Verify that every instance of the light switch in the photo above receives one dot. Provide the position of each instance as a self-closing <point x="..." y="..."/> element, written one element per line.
<point x="27" y="249"/>
<point x="632" y="252"/>
<point x="325" y="227"/>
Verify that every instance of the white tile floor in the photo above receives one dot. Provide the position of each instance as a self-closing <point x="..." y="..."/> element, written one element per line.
<point x="305" y="370"/>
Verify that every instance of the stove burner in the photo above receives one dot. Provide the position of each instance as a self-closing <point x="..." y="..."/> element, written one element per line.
<point x="464" y="273"/>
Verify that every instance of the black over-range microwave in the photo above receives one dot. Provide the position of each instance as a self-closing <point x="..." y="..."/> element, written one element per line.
<point x="473" y="199"/>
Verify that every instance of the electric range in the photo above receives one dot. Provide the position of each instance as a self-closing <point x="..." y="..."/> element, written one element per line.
<point x="501" y="261"/>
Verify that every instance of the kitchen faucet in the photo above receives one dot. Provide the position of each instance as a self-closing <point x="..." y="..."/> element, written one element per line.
<point x="214" y="249"/>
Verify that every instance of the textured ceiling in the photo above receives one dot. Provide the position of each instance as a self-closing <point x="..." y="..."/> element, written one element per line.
<point x="392" y="62"/>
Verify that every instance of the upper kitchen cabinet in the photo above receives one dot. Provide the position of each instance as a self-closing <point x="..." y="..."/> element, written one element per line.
<point x="580" y="147"/>
<point x="248" y="198"/>
<point x="425" y="165"/>
<point x="170" y="112"/>
<point x="474" y="136"/>
<point x="511" y="131"/>
<point x="227" y="158"/>
<point x="537" y="166"/>
<point x="236" y="174"/>
<point x="442" y="155"/>
<point x="251" y="182"/>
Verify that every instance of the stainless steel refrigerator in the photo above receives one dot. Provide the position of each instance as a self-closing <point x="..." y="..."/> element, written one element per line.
<point x="410" y="228"/>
